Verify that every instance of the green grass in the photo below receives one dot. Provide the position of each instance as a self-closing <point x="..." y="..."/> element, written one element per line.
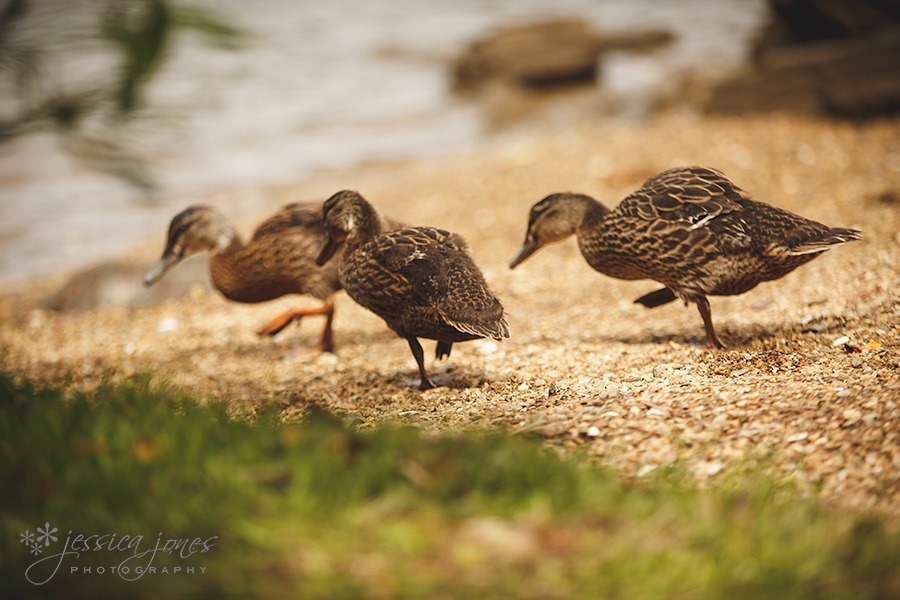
<point x="319" y="510"/>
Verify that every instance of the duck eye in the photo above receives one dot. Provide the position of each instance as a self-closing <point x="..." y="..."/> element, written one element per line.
<point x="181" y="229"/>
<point x="541" y="216"/>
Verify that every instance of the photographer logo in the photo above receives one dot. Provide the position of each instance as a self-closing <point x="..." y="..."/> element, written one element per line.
<point x="130" y="557"/>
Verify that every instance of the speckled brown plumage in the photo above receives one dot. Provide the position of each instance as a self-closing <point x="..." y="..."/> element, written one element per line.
<point x="279" y="259"/>
<point x="420" y="280"/>
<point x="689" y="228"/>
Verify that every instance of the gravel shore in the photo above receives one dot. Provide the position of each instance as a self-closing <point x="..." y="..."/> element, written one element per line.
<point x="585" y="367"/>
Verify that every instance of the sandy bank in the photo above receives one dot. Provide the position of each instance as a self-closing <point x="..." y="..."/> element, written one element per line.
<point x="585" y="366"/>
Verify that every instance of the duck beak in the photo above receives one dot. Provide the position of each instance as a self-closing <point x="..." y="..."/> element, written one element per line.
<point x="161" y="268"/>
<point x="329" y="247"/>
<point x="529" y="247"/>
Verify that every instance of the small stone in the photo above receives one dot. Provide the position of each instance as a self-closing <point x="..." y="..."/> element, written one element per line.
<point x="646" y="470"/>
<point x="857" y="361"/>
<point x="593" y="431"/>
<point x="327" y="358"/>
<point x="550" y="429"/>
<point x="501" y="539"/>
<point x="167" y="325"/>
<point x="714" y="468"/>
<point x="487" y="347"/>
<point x="353" y="419"/>
<point x="797" y="437"/>
<point x="36" y="318"/>
<point x="719" y="421"/>
<point x="851" y="416"/>
<point x="762" y="303"/>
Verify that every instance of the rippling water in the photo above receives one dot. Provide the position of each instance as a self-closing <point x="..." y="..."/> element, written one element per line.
<point x="318" y="84"/>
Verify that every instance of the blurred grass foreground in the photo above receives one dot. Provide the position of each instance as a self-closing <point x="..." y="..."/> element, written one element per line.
<point x="137" y="490"/>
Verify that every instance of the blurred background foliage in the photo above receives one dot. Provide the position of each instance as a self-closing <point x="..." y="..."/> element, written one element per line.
<point x="90" y="108"/>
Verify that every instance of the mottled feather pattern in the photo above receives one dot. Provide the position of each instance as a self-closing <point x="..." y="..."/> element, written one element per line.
<point x="279" y="259"/>
<point x="690" y="196"/>
<point x="697" y="232"/>
<point x="412" y="275"/>
<point x="300" y="217"/>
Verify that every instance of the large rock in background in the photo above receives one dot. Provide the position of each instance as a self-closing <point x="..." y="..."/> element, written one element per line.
<point x="837" y="57"/>
<point x="120" y="283"/>
<point x="808" y="21"/>
<point x="545" y="54"/>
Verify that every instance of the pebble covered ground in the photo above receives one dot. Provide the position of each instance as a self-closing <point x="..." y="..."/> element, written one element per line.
<point x="811" y="381"/>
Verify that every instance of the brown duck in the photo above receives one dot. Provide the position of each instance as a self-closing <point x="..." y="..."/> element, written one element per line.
<point x="278" y="260"/>
<point x="689" y="228"/>
<point x="420" y="280"/>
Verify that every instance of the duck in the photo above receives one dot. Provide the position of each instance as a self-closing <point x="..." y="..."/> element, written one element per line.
<point x="278" y="260"/>
<point x="688" y="228"/>
<point x="422" y="281"/>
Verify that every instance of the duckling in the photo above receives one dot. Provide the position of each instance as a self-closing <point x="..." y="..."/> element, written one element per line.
<point x="689" y="228"/>
<point x="420" y="280"/>
<point x="278" y="260"/>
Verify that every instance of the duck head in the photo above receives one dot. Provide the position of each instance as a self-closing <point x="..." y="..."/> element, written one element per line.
<point x="195" y="229"/>
<point x="347" y="216"/>
<point x="553" y="219"/>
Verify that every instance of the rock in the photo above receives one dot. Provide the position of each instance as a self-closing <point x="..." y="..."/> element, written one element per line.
<point x="167" y="325"/>
<point x="851" y="417"/>
<point x="821" y="56"/>
<point x="646" y="470"/>
<point x="804" y="21"/>
<point x="539" y="54"/>
<point x="499" y="539"/>
<point x="119" y="283"/>
<point x="850" y="78"/>
<point x="545" y="54"/>
<point x="487" y="347"/>
<point x="638" y="42"/>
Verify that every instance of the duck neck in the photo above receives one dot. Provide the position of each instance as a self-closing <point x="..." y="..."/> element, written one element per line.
<point x="366" y="228"/>
<point x="231" y="271"/>
<point x="591" y="212"/>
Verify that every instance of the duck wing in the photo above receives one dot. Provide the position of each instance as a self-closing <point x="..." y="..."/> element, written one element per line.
<point x="281" y="254"/>
<point x="425" y="268"/>
<point x="695" y="206"/>
<point x="687" y="196"/>
<point x="301" y="221"/>
<point x="710" y="207"/>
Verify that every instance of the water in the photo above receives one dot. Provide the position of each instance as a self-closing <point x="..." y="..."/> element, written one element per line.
<point x="319" y="84"/>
